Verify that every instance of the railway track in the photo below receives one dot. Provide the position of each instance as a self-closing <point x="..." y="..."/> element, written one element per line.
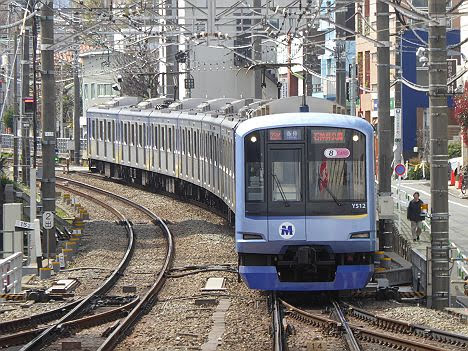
<point x="348" y="334"/>
<point x="406" y="328"/>
<point x="362" y="334"/>
<point x="70" y="315"/>
<point x="277" y="326"/>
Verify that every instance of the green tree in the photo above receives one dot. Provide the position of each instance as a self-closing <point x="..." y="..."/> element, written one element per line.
<point x="8" y="117"/>
<point x="454" y="150"/>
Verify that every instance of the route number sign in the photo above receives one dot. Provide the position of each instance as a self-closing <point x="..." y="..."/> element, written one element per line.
<point x="48" y="220"/>
<point x="400" y="169"/>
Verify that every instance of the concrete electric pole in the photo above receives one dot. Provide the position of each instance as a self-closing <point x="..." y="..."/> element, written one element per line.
<point x="257" y="52"/>
<point x="76" y="109"/>
<point x="48" y="117"/>
<point x="440" y="246"/>
<point x="340" y="19"/>
<point x="24" y="120"/>
<point x="385" y="133"/>
<point x="172" y="79"/>
<point x="15" y="111"/>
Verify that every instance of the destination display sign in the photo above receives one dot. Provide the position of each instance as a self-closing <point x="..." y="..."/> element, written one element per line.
<point x="286" y="134"/>
<point x="327" y="136"/>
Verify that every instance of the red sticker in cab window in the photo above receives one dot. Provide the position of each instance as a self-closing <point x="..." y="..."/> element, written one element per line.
<point x="340" y="152"/>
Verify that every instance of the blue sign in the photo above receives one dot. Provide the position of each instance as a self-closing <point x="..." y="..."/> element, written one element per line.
<point x="375" y="104"/>
<point x="400" y="169"/>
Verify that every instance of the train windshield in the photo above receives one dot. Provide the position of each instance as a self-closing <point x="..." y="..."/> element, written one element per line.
<point x="336" y="168"/>
<point x="313" y="171"/>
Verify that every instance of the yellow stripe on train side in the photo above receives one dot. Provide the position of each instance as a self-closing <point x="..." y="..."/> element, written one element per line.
<point x="351" y="216"/>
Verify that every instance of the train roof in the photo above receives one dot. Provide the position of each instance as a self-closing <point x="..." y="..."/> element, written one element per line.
<point x="303" y="119"/>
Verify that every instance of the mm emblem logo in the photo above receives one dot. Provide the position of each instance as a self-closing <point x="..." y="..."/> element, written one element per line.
<point x="286" y="230"/>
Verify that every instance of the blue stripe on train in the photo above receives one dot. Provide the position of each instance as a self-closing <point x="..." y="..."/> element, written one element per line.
<point x="346" y="278"/>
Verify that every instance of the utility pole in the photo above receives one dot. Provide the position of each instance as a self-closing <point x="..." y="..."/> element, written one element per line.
<point x="257" y="52"/>
<point x="353" y="87"/>
<point x="385" y="134"/>
<point x="172" y="80"/>
<point x="34" y="62"/>
<point x="340" y="19"/>
<point x="24" y="120"/>
<point x="440" y="247"/>
<point x="398" y="129"/>
<point x="76" y="110"/>
<point x="48" y="117"/>
<point x="15" y="110"/>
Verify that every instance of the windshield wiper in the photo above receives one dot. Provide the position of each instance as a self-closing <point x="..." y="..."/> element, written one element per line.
<point x="325" y="186"/>
<point x="280" y="188"/>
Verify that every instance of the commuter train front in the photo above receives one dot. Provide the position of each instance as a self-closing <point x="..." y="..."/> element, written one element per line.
<point x="305" y="202"/>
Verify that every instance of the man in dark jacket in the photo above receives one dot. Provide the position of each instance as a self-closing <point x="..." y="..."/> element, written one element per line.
<point x="414" y="215"/>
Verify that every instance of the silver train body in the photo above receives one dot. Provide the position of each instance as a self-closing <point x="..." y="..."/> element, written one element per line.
<point x="183" y="147"/>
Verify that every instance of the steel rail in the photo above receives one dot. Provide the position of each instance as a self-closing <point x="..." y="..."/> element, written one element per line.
<point x="277" y="325"/>
<point x="366" y="335"/>
<point x="85" y="304"/>
<point x="40" y="318"/>
<point x="349" y="337"/>
<point x="76" y="324"/>
<point x="150" y="297"/>
<point x="408" y="328"/>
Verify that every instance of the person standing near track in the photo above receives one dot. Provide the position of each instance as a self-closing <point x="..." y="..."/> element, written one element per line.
<point x="414" y="215"/>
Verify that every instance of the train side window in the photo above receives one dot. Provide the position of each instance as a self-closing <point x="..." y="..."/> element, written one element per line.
<point x="183" y="141"/>
<point x="195" y="144"/>
<point x="163" y="138"/>
<point x="109" y="138"/>
<point x="94" y="130"/>
<point x="169" y="144"/>
<point x="173" y="138"/>
<point x="254" y="152"/>
<point x="125" y="133"/>
<point x="101" y="130"/>
<point x="112" y="138"/>
<point x="132" y="134"/>
<point x="140" y="135"/>
<point x="189" y="142"/>
<point x="155" y="135"/>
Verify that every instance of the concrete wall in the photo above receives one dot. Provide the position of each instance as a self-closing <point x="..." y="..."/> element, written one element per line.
<point x="216" y="76"/>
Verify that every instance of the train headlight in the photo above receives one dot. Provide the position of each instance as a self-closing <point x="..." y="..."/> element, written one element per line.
<point x="253" y="139"/>
<point x="360" y="235"/>
<point x="355" y="137"/>
<point x="251" y="236"/>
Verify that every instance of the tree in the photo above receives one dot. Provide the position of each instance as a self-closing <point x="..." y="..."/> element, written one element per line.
<point x="461" y="113"/>
<point x="8" y="117"/>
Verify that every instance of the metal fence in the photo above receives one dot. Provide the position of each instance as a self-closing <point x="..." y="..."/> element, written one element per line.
<point x="63" y="144"/>
<point x="11" y="271"/>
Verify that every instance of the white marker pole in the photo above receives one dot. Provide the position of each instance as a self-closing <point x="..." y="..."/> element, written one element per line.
<point x="32" y="215"/>
<point x="37" y="240"/>
<point x="399" y="204"/>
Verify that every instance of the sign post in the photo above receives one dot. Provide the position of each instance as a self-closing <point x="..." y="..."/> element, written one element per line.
<point x="400" y="169"/>
<point x="48" y="224"/>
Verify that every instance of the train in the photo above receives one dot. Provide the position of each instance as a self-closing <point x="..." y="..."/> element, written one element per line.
<point x="299" y="186"/>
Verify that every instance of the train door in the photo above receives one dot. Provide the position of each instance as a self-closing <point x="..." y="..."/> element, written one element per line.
<point x="286" y="192"/>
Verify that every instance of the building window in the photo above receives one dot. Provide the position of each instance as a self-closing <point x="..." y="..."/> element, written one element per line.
<point x="368" y="66"/>
<point x="360" y="68"/>
<point x="85" y="91"/>
<point x="93" y="90"/>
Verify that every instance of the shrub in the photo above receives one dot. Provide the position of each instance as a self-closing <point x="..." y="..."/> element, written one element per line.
<point x="454" y="150"/>
<point x="415" y="171"/>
